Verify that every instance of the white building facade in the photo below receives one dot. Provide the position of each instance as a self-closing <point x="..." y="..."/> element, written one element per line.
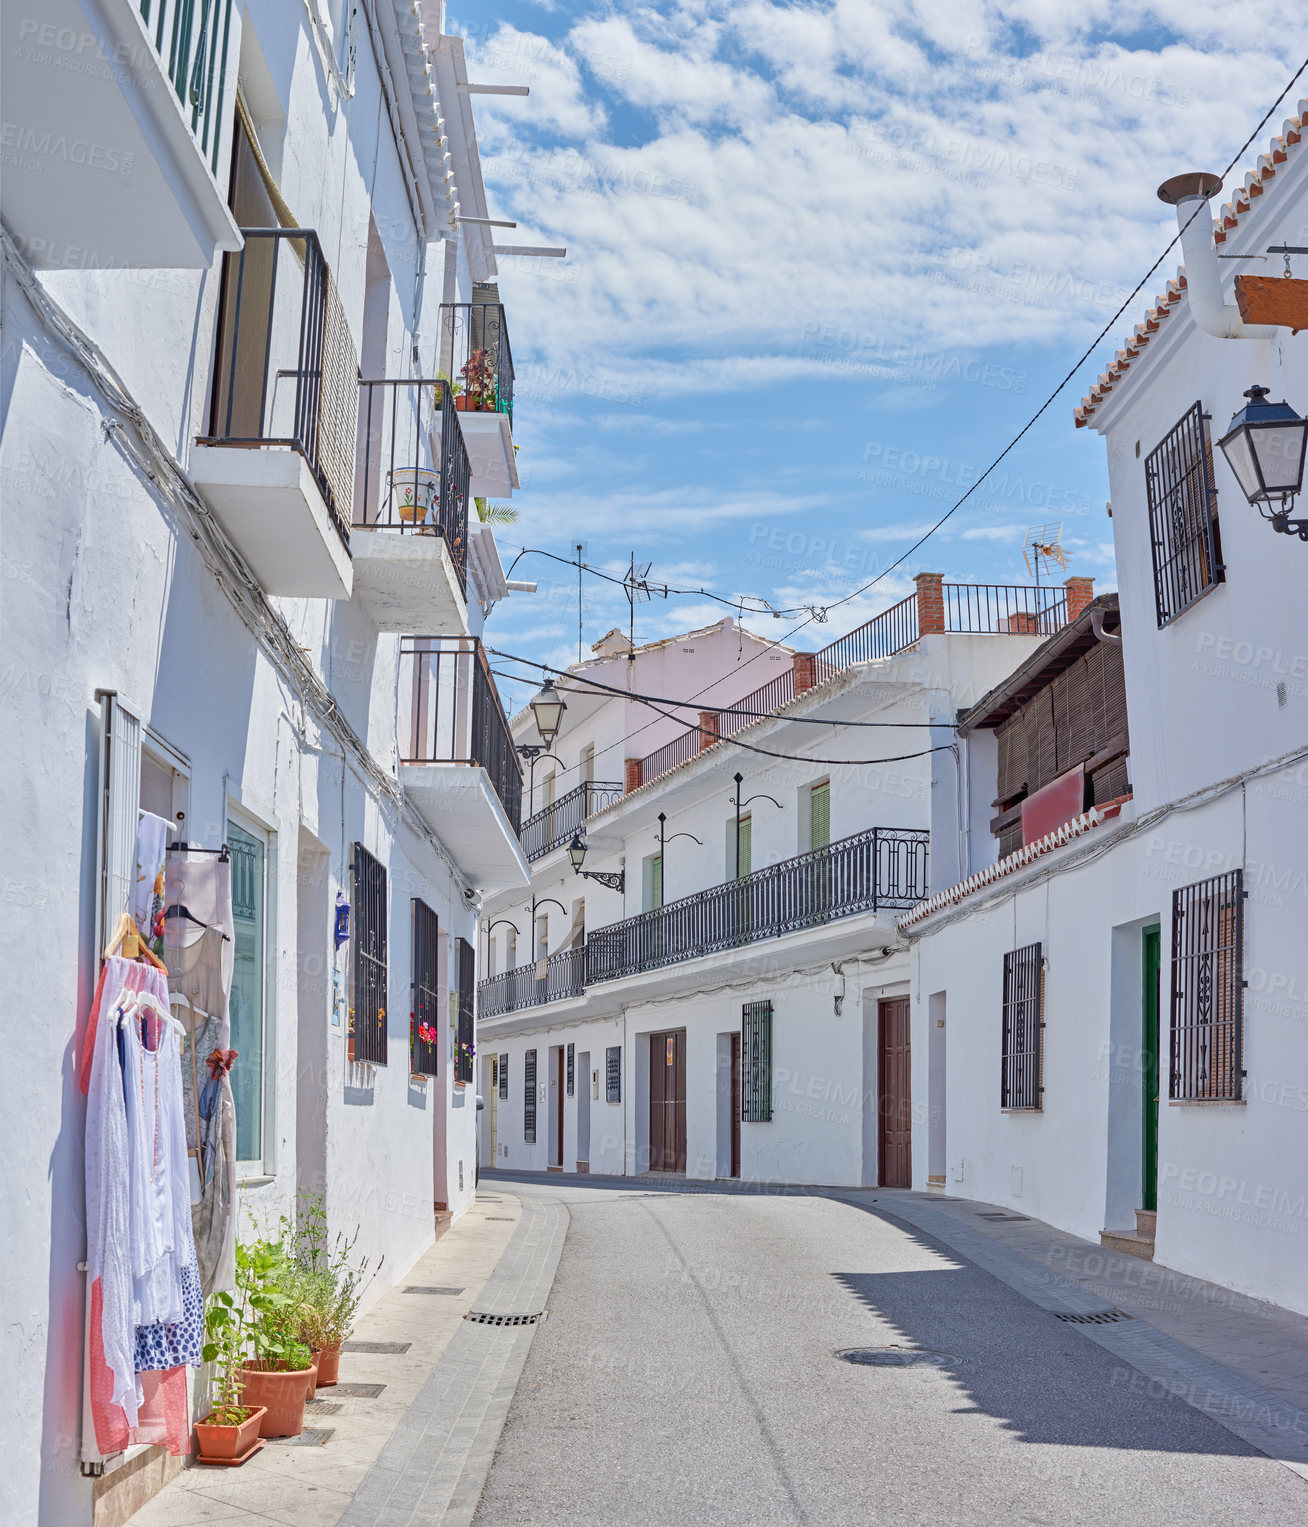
<point x="1110" y="1020"/>
<point x="255" y="374"/>
<point x="726" y="995"/>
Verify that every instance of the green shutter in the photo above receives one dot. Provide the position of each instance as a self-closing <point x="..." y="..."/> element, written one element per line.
<point x="820" y="815"/>
<point x="744" y="849"/>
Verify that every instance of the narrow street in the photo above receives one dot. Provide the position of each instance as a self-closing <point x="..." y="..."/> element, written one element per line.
<point x="686" y="1373"/>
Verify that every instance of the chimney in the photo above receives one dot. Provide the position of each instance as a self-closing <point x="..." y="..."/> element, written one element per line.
<point x="1189" y="194"/>
<point x="708" y="729"/>
<point x="930" y="603"/>
<point x="805" y="668"/>
<point x="631" y="774"/>
<point x="1080" y="591"/>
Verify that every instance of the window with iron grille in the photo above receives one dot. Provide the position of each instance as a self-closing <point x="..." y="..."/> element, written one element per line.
<point x="756" y="1062"/>
<point x="504" y="1077"/>
<point x="613" y="1076"/>
<point x="1183" y="531"/>
<point x="424" y="992"/>
<point x="465" y="1048"/>
<point x="529" y="1097"/>
<point x="572" y="1070"/>
<point x="1207" y="1016"/>
<point x="368" y="1012"/>
<point x="1024" y="1021"/>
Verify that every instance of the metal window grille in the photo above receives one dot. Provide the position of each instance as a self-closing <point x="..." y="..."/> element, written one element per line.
<point x="424" y="1017"/>
<point x="465" y="1037"/>
<point x="368" y="1013"/>
<point x="613" y="1076"/>
<point x="756" y="1062"/>
<point x="529" y="1098"/>
<point x="1207" y="1013"/>
<point x="504" y="1077"/>
<point x="572" y="1070"/>
<point x="1183" y="529"/>
<point x="1024" y="1022"/>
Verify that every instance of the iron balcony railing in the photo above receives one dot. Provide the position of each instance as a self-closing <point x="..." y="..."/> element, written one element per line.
<point x="561" y="820"/>
<point x="286" y="373"/>
<point x="969" y="609"/>
<point x="411" y="465"/>
<point x="455" y="715"/>
<point x="881" y="869"/>
<point x="476" y="356"/>
<point x="562" y="975"/>
<point x="191" y="38"/>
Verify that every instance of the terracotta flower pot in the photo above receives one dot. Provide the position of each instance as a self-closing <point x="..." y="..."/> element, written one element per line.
<point x="226" y="1444"/>
<point x="283" y="1396"/>
<point x="329" y="1365"/>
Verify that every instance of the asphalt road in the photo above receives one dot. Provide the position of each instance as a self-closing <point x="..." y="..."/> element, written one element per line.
<point x="686" y="1375"/>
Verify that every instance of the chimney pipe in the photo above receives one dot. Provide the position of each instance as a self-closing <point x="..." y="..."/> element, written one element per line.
<point x="1189" y="194"/>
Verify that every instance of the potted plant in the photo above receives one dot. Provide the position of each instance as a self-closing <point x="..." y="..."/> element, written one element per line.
<point x="277" y="1371"/>
<point x="229" y="1434"/>
<point x="480" y="391"/>
<point x="331" y="1283"/>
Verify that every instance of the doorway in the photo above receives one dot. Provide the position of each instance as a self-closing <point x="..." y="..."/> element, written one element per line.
<point x="735" y="1105"/>
<point x="583" y="1111"/>
<point x="556" y="1108"/>
<point x="493" y="1108"/>
<point x="667" y="1101"/>
<point x="1151" y="949"/>
<point x="894" y="1110"/>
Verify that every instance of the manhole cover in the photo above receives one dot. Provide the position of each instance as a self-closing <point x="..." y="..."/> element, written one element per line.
<point x="894" y="1357"/>
<point x="481" y="1318"/>
<point x="390" y="1348"/>
<point x="358" y="1391"/>
<point x="506" y="1219"/>
<point x="424" y="1288"/>
<point x="1006" y="1219"/>
<point x="1099" y="1318"/>
<point x="311" y="1436"/>
<point x="324" y="1407"/>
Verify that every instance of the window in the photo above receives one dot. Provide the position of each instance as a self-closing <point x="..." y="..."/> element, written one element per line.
<point x="1207" y="1022"/>
<point x="572" y="1070"/>
<point x="756" y="1062"/>
<point x="819" y="815"/>
<point x="1023" y="1046"/>
<point x="246" y="1005"/>
<point x="511" y="949"/>
<point x="504" y="1077"/>
<point x="1183" y="531"/>
<point x="613" y="1078"/>
<point x="467" y="978"/>
<point x="587" y="769"/>
<point x="529" y="1098"/>
<point x="740" y="848"/>
<point x="424" y="1018"/>
<point x="651" y="883"/>
<point x="368" y="1009"/>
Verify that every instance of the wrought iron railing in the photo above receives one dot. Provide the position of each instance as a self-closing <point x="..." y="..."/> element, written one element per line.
<point x="455" y="715"/>
<point x="286" y="373"/>
<point x="1009" y="609"/>
<point x="411" y="468"/>
<point x="557" y="823"/>
<point x="191" y="38"/>
<point x="475" y="353"/>
<point x="564" y="975"/>
<point x="884" y="868"/>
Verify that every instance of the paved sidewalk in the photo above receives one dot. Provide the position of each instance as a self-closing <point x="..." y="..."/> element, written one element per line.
<point x="437" y="1418"/>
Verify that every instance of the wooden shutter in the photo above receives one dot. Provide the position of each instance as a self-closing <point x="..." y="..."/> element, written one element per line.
<point x="756" y="1062"/>
<point x="424" y="1015"/>
<point x="572" y="1070"/>
<point x="745" y="849"/>
<point x="504" y="1076"/>
<point x="529" y="1098"/>
<point x="466" y="958"/>
<point x="120" y="753"/>
<point x="368" y="1012"/>
<point x="820" y="815"/>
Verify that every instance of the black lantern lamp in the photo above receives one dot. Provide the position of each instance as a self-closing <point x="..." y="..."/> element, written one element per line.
<point x="548" y="707"/>
<point x="1264" y="448"/>
<point x="616" y="880"/>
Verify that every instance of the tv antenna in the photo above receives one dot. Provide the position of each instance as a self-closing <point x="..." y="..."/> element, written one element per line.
<point x="638" y="588"/>
<point x="1042" y="549"/>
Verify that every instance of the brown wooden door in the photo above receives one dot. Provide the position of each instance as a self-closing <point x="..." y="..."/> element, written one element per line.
<point x="895" y="1102"/>
<point x="735" y="1105"/>
<point x="667" y="1101"/>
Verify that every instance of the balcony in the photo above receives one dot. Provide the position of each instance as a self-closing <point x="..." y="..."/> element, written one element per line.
<point x="278" y="464"/>
<point x="479" y="362"/>
<point x="114" y="114"/>
<point x="410" y="532"/>
<point x="458" y="762"/>
<point x="881" y="869"/>
<point x="561" y="820"/>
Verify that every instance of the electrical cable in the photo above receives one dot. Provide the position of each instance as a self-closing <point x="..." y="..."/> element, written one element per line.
<point x="1085" y="356"/>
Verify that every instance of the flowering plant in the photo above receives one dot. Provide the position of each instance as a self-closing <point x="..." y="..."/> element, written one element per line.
<point x="480" y="384"/>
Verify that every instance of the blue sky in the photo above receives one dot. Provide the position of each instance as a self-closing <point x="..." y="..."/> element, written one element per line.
<point x="824" y="261"/>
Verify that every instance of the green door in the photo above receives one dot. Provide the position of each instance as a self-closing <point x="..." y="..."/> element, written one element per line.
<point x="1151" y="944"/>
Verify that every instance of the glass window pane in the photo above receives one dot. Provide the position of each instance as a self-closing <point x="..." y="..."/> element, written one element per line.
<point x="248" y="902"/>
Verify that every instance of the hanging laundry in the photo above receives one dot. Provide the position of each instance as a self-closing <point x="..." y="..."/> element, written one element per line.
<point x="148" y="898"/>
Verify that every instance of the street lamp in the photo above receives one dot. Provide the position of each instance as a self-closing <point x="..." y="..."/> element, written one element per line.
<point x="738" y="804"/>
<point x="547" y="706"/>
<point x="616" y="880"/>
<point x="1264" y="448"/>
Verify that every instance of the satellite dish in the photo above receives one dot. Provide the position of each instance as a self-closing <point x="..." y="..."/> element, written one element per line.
<point x="1042" y="549"/>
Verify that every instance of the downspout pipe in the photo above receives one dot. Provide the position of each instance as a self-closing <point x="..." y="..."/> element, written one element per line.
<point x="1097" y="626"/>
<point x="1189" y="194"/>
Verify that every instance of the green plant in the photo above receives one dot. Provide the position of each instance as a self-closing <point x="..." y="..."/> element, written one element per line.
<point x="326" y="1281"/>
<point x="495" y="514"/>
<point x="479" y="380"/>
<point x="251" y="1324"/>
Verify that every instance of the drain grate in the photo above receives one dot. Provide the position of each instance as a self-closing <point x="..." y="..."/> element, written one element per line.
<point x="894" y="1357"/>
<point x="424" y="1288"/>
<point x="482" y="1318"/>
<point x="324" y="1407"/>
<point x="1099" y="1318"/>
<point x="389" y="1348"/>
<point x="505" y="1218"/>
<point x="1006" y="1218"/>
<point x="358" y="1391"/>
<point x="311" y="1436"/>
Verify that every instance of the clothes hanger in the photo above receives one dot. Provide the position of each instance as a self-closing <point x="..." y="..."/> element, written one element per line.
<point x="133" y="943"/>
<point x="179" y="909"/>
